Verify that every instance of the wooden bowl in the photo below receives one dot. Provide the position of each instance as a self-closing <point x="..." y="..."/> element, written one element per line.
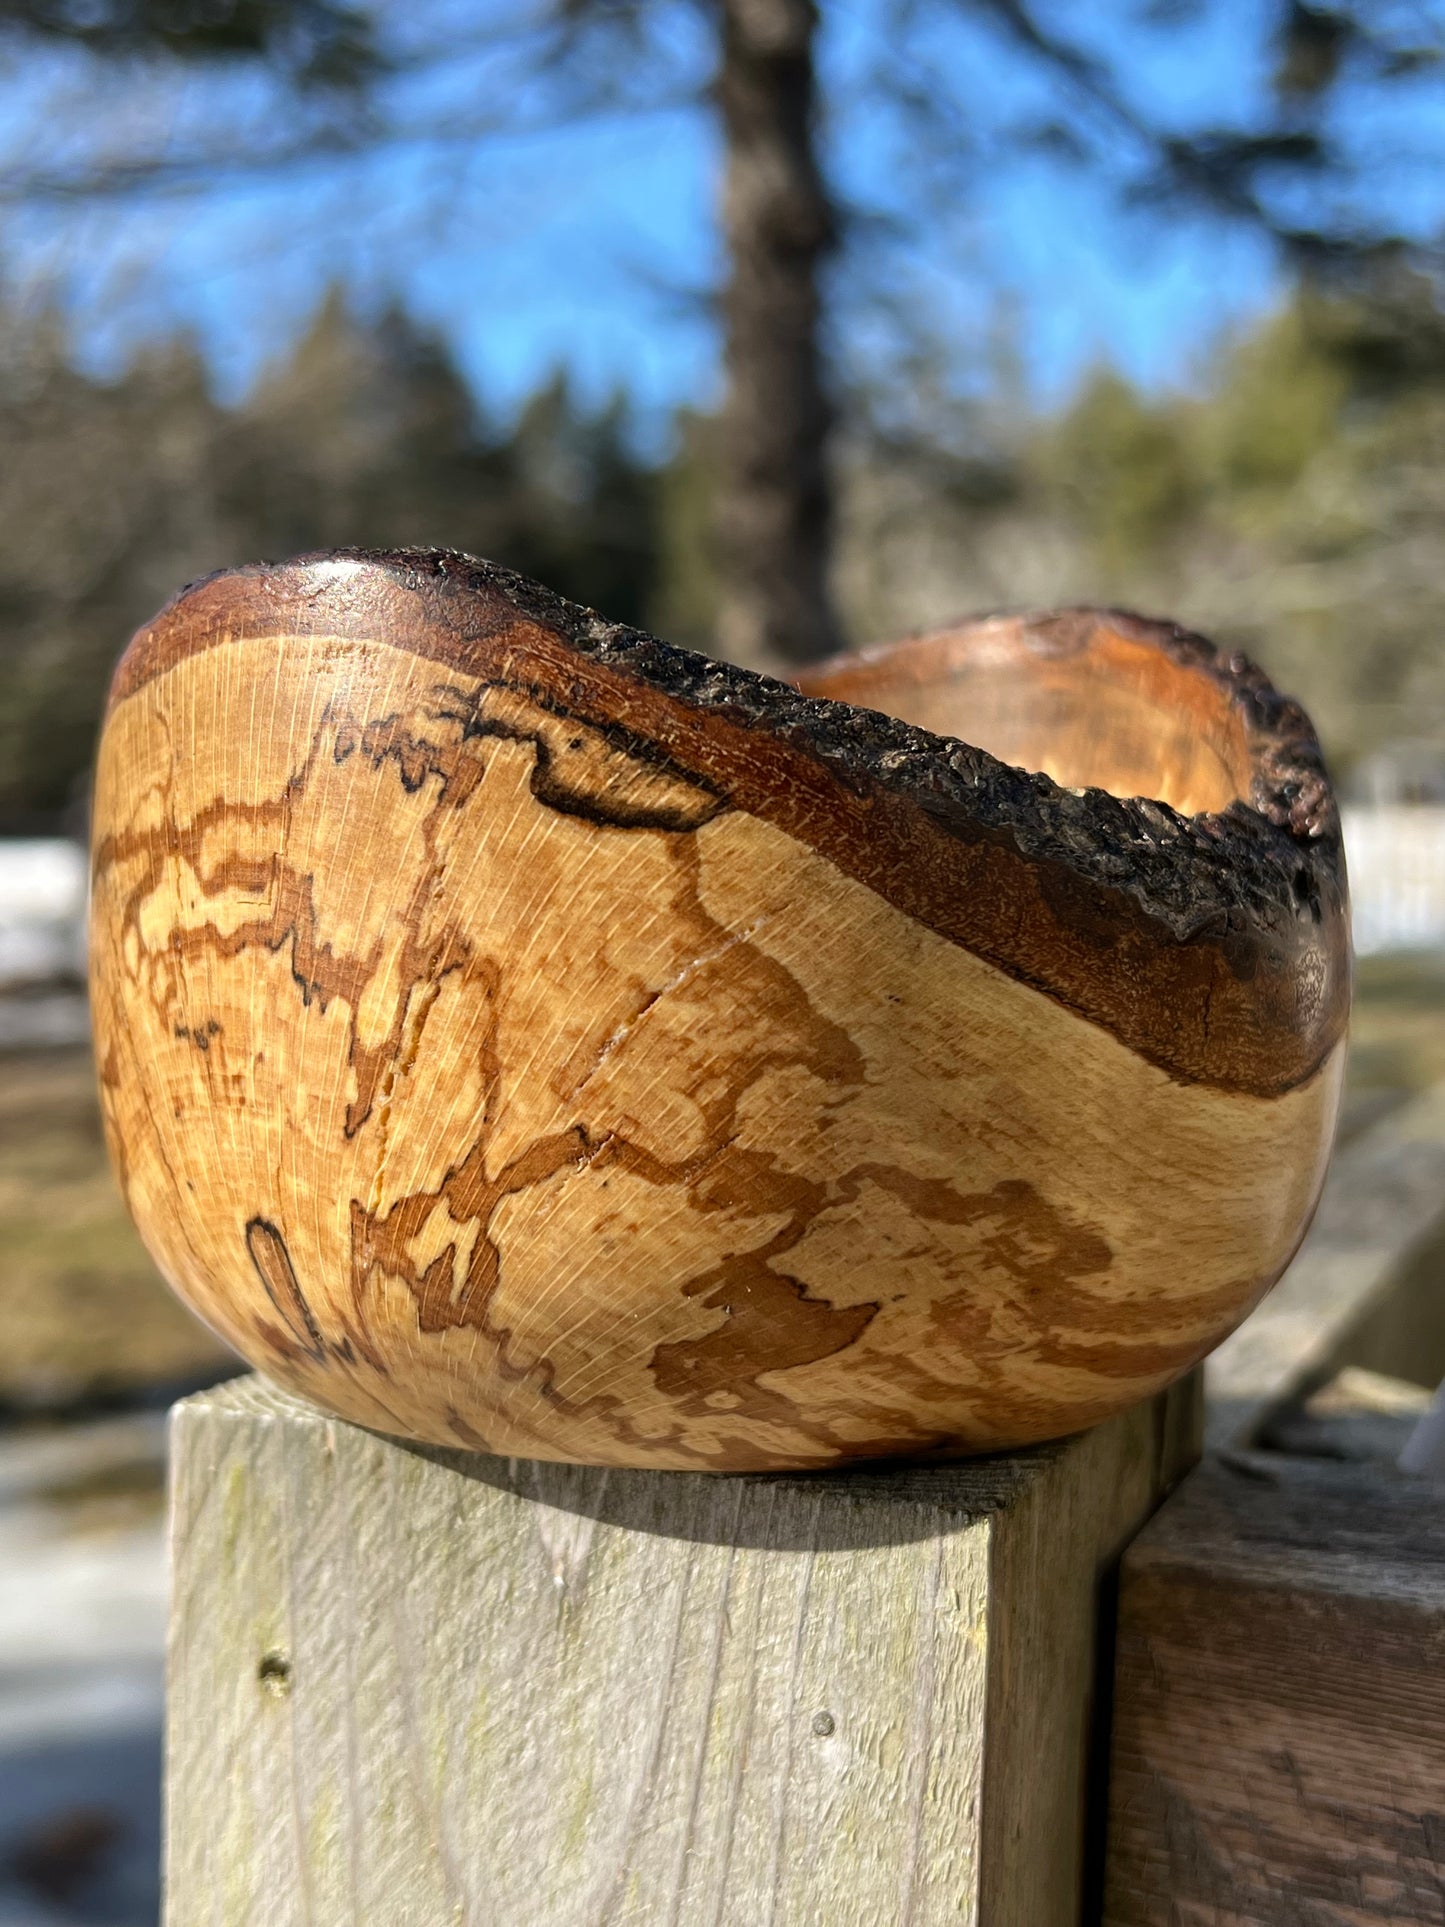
<point x="517" y="1033"/>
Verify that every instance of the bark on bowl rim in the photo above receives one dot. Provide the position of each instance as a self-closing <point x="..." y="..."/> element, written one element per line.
<point x="1165" y="907"/>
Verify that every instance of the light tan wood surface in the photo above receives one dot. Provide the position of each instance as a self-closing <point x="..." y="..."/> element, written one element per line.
<point x="515" y="1033"/>
<point x="422" y="1688"/>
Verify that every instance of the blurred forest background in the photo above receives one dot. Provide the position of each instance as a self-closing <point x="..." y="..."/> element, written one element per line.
<point x="1292" y="503"/>
<point x="767" y="325"/>
<point x="819" y="410"/>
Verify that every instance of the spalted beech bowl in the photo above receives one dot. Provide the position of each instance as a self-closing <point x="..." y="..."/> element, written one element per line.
<point x="517" y="1033"/>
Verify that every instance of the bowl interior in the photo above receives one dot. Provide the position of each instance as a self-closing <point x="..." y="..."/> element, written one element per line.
<point x="1113" y="713"/>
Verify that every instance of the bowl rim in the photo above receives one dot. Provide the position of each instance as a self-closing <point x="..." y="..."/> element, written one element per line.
<point x="1260" y="884"/>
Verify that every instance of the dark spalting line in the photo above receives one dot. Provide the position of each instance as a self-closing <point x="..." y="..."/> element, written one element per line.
<point x="278" y="1276"/>
<point x="552" y="785"/>
<point x="768" y="1324"/>
<point x="720" y="1177"/>
<point x="1216" y="947"/>
<point x="467" y="1434"/>
<point x="320" y="971"/>
<point x="1050" y="1257"/>
<point x="569" y="792"/>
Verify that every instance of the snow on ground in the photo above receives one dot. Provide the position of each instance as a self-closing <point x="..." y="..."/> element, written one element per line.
<point x="82" y="1638"/>
<point x="42" y="910"/>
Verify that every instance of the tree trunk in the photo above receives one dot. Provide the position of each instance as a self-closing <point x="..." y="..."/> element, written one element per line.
<point x="775" y="502"/>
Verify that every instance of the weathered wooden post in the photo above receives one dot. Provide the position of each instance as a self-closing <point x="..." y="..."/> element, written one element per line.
<point x="519" y="1037"/>
<point x="417" y="1686"/>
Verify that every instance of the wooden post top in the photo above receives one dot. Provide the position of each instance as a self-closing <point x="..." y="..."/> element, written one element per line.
<point x="408" y="1685"/>
<point x="516" y="1032"/>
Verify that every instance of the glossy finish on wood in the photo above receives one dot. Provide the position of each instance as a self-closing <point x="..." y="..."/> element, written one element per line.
<point x="517" y="1033"/>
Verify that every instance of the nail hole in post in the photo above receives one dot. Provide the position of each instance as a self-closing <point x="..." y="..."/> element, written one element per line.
<point x="274" y="1675"/>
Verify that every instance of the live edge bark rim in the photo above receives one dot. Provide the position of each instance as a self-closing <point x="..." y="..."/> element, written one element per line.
<point x="1216" y="944"/>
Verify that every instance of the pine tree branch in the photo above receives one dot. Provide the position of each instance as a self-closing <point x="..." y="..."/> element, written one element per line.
<point x="317" y="44"/>
<point x="185" y="173"/>
<point x="1220" y="170"/>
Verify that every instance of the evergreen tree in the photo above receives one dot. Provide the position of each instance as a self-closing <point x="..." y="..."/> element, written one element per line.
<point x="1276" y="162"/>
<point x="111" y="494"/>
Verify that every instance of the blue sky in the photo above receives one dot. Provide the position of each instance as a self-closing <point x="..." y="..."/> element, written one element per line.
<point x="593" y="246"/>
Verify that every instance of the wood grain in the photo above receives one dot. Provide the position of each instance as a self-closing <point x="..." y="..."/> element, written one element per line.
<point x="517" y="1033"/>
<point x="415" y="1687"/>
<point x="1280" y="1701"/>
